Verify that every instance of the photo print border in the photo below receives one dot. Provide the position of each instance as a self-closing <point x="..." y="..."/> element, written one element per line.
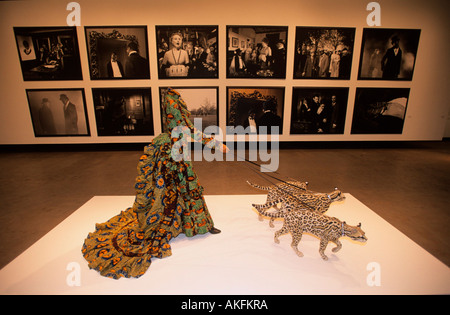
<point x="253" y="106"/>
<point x="123" y="111"/>
<point x="187" y="51"/>
<point x="53" y="115"/>
<point x="256" y="52"/>
<point x="380" y="110"/>
<point x="379" y="59"/>
<point x="118" y="52"/>
<point x="333" y="49"/>
<point x="327" y="116"/>
<point x="48" y="53"/>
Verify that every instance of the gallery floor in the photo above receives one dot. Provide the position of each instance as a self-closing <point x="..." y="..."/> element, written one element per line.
<point x="406" y="184"/>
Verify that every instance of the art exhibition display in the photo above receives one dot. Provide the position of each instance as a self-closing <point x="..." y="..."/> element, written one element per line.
<point x="252" y="52"/>
<point x="303" y="212"/>
<point x="169" y="201"/>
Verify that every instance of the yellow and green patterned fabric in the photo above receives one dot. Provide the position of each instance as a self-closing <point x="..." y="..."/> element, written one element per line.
<point x="169" y="201"/>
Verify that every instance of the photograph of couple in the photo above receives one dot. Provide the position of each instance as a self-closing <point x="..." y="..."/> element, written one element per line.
<point x="118" y="52"/>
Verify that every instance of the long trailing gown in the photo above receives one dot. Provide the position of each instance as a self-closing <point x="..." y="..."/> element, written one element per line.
<point x="169" y="201"/>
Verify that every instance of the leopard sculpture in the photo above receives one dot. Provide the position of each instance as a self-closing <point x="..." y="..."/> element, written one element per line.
<point x="327" y="229"/>
<point x="300" y="200"/>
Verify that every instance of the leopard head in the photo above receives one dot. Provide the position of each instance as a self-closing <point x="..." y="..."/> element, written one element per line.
<point x="336" y="195"/>
<point x="354" y="232"/>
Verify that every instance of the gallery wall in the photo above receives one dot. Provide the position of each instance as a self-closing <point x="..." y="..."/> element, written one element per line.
<point x="416" y="98"/>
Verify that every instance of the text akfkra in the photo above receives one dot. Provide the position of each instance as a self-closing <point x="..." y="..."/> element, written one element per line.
<point x="229" y="305"/>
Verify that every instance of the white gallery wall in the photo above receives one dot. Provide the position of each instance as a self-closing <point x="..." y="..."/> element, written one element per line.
<point x="427" y="108"/>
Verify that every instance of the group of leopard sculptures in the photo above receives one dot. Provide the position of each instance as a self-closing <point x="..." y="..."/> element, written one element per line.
<point x="303" y="211"/>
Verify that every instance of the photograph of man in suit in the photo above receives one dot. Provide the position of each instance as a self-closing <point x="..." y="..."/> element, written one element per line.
<point x="70" y="115"/>
<point x="136" y="66"/>
<point x="392" y="60"/>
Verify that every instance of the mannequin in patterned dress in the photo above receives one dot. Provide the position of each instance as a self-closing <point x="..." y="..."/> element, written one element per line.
<point x="169" y="201"/>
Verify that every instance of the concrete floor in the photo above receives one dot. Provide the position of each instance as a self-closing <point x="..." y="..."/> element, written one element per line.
<point x="405" y="183"/>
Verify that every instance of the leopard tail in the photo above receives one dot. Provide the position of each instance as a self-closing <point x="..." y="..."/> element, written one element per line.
<point x="258" y="186"/>
<point x="262" y="209"/>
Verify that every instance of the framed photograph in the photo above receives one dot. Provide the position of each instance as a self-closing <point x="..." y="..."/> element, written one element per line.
<point x="318" y="110"/>
<point x="260" y="54"/>
<point x="388" y="54"/>
<point x="251" y="108"/>
<point x="203" y="104"/>
<point x="379" y="110"/>
<point x="117" y="52"/>
<point x="187" y="52"/>
<point x="323" y="52"/>
<point x="123" y="111"/>
<point x="58" y="112"/>
<point x="48" y="53"/>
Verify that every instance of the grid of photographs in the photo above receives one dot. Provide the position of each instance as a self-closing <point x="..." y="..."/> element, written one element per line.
<point x="192" y="52"/>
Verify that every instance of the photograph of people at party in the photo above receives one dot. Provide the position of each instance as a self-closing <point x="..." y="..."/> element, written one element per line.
<point x="256" y="51"/>
<point x="187" y="52"/>
<point x="323" y="53"/>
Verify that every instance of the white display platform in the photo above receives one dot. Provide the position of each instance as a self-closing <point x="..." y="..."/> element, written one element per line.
<point x="243" y="259"/>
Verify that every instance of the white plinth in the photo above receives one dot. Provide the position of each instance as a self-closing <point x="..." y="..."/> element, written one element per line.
<point x="243" y="259"/>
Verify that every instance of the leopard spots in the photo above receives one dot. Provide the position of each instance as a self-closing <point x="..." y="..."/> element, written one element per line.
<point x="327" y="229"/>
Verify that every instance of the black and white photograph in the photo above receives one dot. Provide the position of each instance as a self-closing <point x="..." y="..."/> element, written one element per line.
<point x="118" y="52"/>
<point x="318" y="110"/>
<point x="323" y="52"/>
<point x="187" y="52"/>
<point x="255" y="109"/>
<point x="48" y="53"/>
<point x="388" y="54"/>
<point x="202" y="103"/>
<point x="58" y="112"/>
<point x="123" y="111"/>
<point x="379" y="110"/>
<point x="256" y="51"/>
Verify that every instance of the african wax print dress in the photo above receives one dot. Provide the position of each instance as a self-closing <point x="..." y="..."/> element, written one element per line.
<point x="169" y="201"/>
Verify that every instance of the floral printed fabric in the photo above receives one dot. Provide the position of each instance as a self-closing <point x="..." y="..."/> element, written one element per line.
<point x="169" y="201"/>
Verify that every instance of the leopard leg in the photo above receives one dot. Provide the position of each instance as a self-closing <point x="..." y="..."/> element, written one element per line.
<point x="296" y="238"/>
<point x="260" y="208"/>
<point x="273" y="219"/>
<point x="323" y="246"/>
<point x="338" y="247"/>
<point x="283" y="230"/>
<point x="271" y="222"/>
